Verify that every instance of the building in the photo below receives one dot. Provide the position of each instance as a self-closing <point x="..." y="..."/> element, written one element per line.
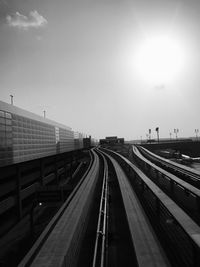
<point x="26" y="136"/>
<point x="110" y="140"/>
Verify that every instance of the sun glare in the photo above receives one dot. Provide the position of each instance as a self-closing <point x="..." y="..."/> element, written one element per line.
<point x="159" y="59"/>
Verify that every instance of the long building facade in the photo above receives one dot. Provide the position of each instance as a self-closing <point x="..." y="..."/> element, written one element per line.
<point x="26" y="136"/>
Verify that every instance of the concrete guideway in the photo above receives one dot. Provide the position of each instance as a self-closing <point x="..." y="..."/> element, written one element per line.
<point x="147" y="247"/>
<point x="185" y="194"/>
<point x="178" y="230"/>
<point x="59" y="246"/>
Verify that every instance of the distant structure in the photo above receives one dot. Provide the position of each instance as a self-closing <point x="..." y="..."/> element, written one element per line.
<point x="111" y="140"/>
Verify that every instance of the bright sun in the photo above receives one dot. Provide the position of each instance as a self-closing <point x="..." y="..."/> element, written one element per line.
<point x="159" y="59"/>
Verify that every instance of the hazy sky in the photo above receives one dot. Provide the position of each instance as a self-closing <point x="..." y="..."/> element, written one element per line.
<point x="77" y="59"/>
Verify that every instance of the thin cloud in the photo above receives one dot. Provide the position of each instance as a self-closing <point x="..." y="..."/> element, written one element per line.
<point x="33" y="20"/>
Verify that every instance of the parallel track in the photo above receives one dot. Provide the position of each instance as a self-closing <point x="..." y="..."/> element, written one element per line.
<point x="187" y="174"/>
<point x="178" y="233"/>
<point x="150" y="218"/>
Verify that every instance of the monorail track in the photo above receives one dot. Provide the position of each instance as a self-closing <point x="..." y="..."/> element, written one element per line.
<point x="187" y="174"/>
<point x="122" y="235"/>
<point x="177" y="232"/>
<point x="182" y="192"/>
<point x="117" y="217"/>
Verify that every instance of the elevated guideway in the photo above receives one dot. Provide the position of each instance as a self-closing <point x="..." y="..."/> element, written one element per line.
<point x="192" y="175"/>
<point x="60" y="243"/>
<point x="178" y="233"/>
<point x="119" y="214"/>
<point x="185" y="194"/>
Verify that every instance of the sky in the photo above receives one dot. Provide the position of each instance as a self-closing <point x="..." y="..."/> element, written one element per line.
<point x="80" y="61"/>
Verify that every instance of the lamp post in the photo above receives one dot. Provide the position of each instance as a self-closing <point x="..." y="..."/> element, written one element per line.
<point x="170" y="134"/>
<point x="196" y="132"/>
<point x="44" y="111"/>
<point x="157" y="130"/>
<point x="11" y="99"/>
<point x="150" y="135"/>
<point x="176" y="133"/>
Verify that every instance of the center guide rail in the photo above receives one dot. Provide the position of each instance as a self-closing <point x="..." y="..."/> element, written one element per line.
<point x="99" y="258"/>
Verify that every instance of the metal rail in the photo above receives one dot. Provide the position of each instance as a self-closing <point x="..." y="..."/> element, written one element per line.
<point x="100" y="243"/>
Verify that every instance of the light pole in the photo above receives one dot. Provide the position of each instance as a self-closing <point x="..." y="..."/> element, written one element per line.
<point x="176" y="132"/>
<point x="150" y="135"/>
<point x="147" y="137"/>
<point x="170" y="134"/>
<point x="196" y="132"/>
<point x="157" y="130"/>
<point x="11" y="99"/>
<point x="44" y="111"/>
